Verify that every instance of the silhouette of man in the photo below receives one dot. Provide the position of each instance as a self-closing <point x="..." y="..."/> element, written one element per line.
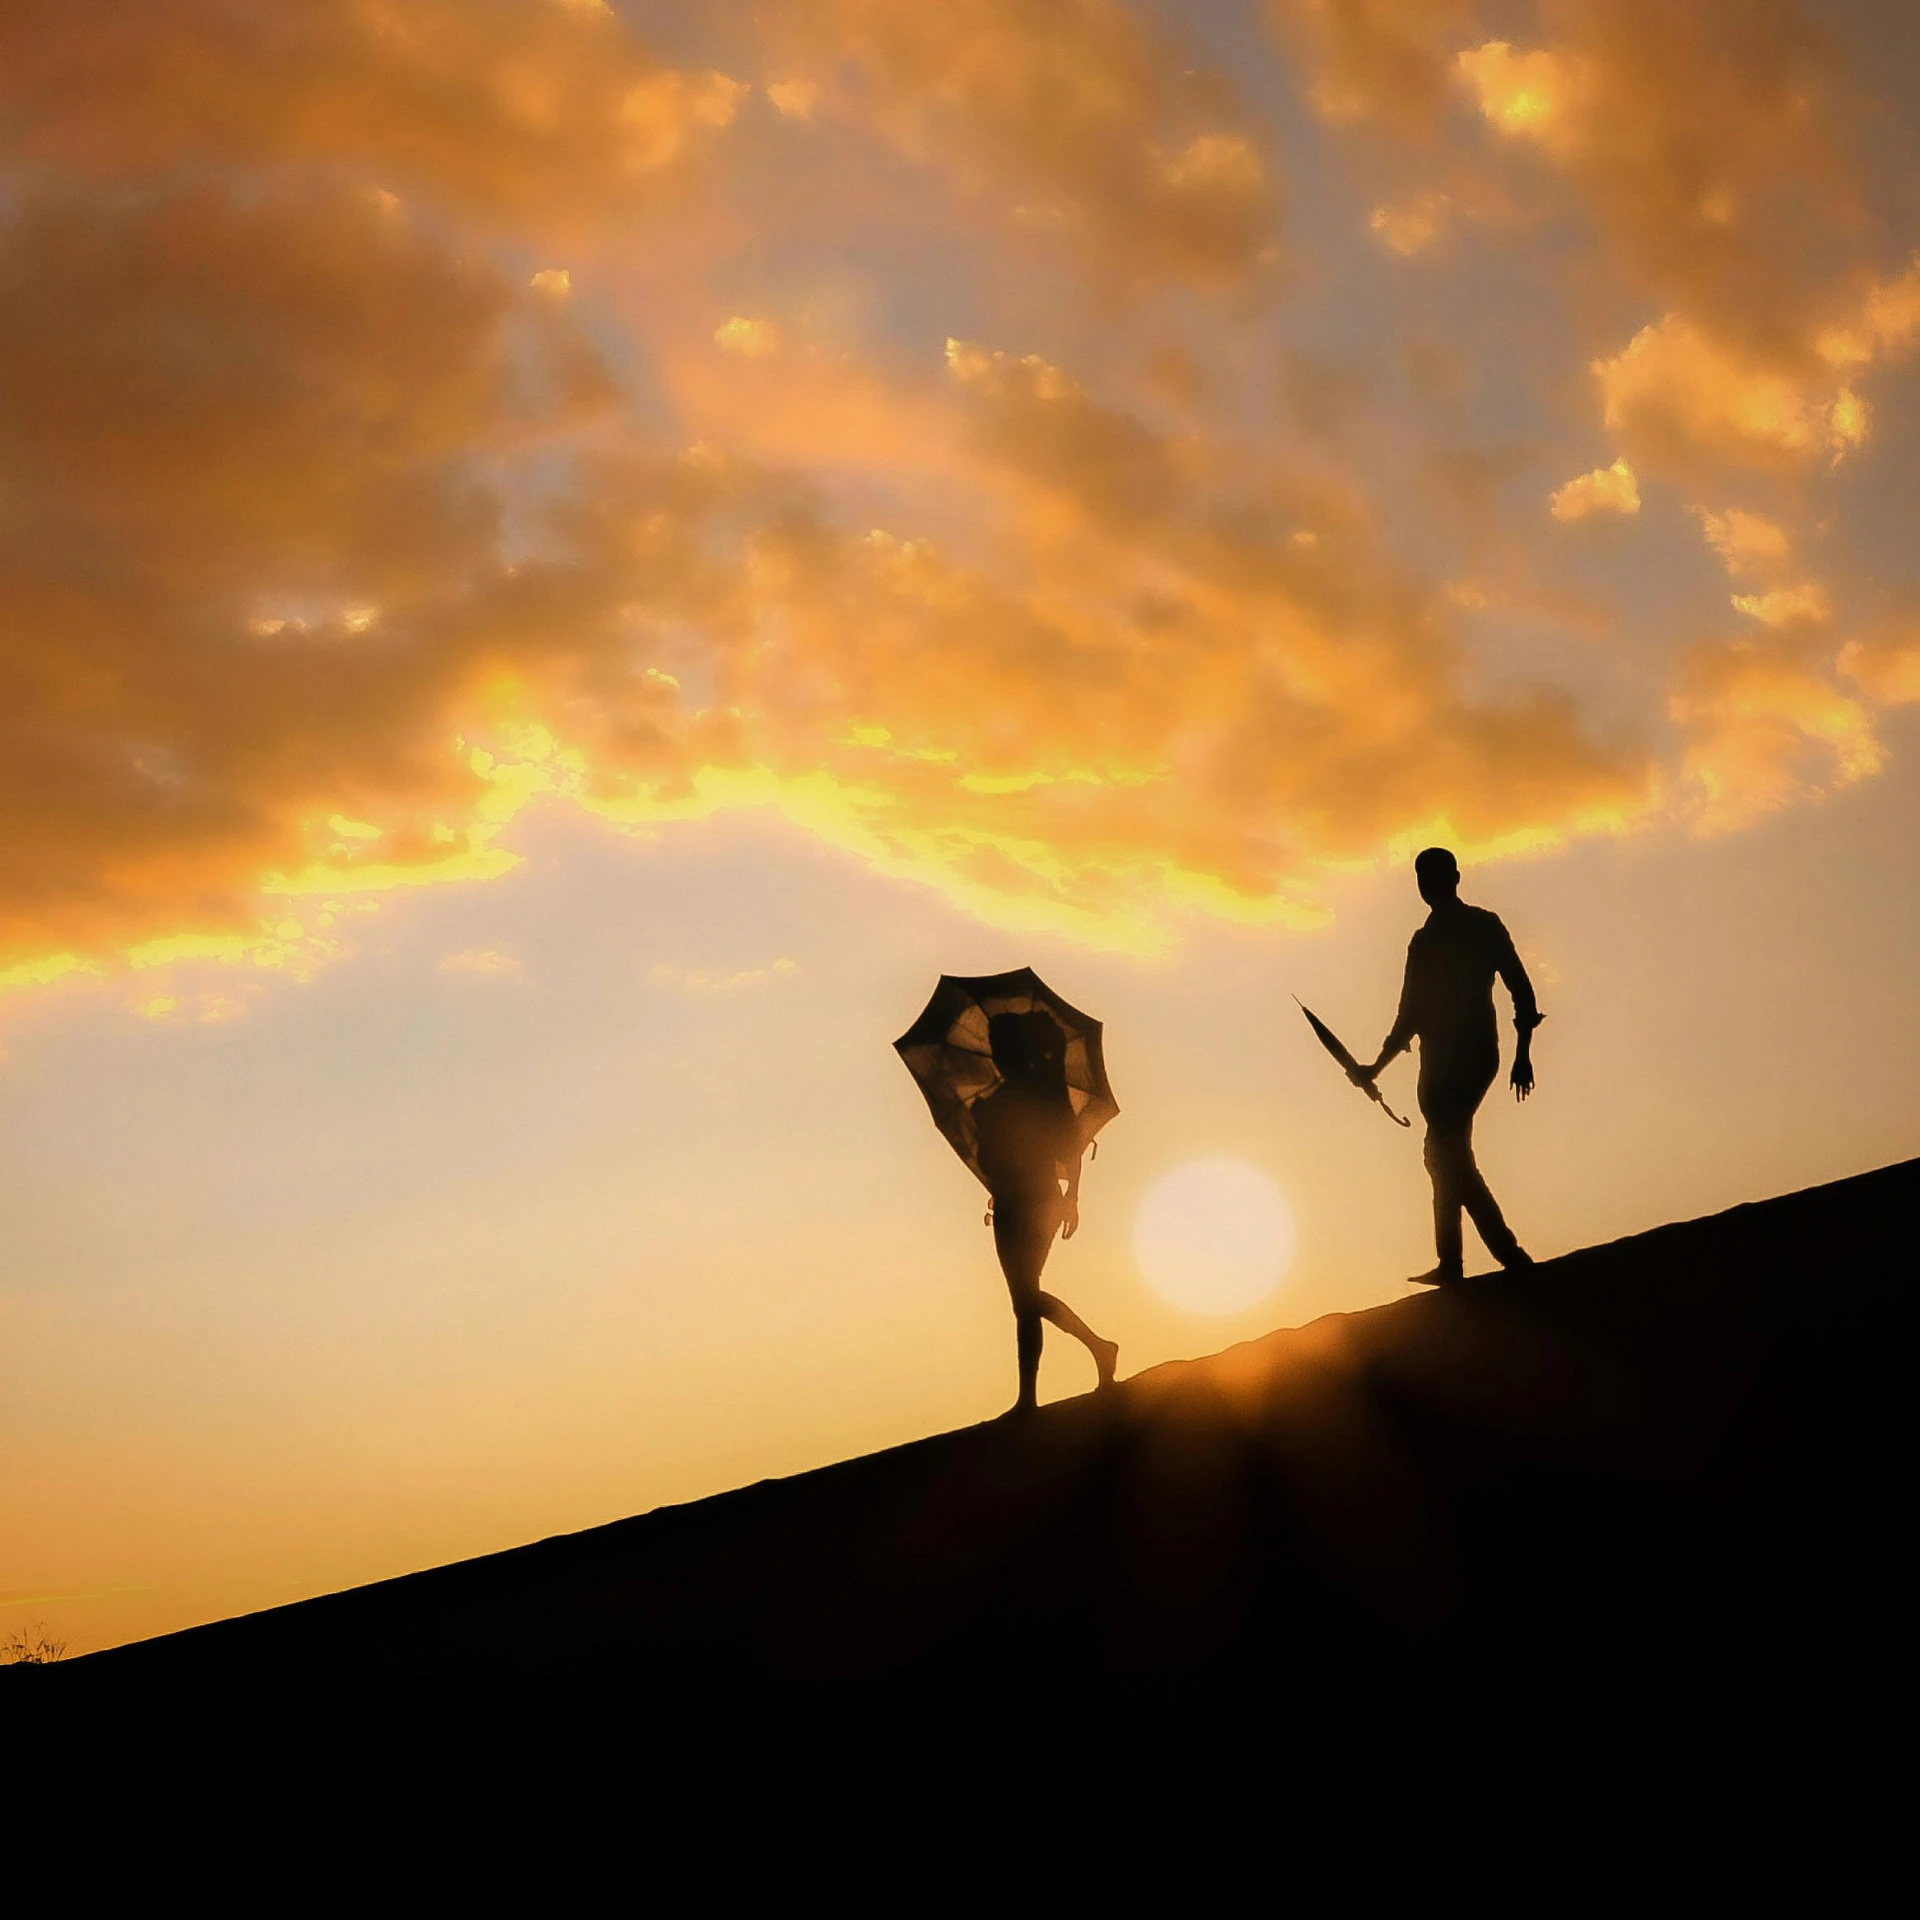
<point x="1447" y="1004"/>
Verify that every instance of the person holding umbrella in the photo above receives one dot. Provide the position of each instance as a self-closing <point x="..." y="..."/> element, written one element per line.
<point x="1447" y="1004"/>
<point x="1015" y="1080"/>
<point x="1029" y="1142"/>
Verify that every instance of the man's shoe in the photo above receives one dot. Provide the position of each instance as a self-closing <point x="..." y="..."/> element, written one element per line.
<point x="1439" y="1277"/>
<point x="1518" y="1260"/>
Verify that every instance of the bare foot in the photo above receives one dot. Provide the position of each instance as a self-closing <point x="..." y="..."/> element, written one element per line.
<point x="1106" y="1356"/>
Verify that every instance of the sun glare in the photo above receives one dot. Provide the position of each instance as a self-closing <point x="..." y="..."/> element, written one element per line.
<point x="1214" y="1236"/>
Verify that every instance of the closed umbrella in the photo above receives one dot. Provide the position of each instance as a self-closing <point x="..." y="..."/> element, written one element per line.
<point x="1331" y="1041"/>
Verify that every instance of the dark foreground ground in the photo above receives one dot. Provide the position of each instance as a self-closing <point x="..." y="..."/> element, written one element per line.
<point x="1648" y="1499"/>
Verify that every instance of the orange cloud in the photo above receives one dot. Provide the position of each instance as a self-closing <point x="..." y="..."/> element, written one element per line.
<point x="1534" y="93"/>
<point x="1070" y="113"/>
<point x="751" y="338"/>
<point x="1886" y="665"/>
<point x="1766" y="727"/>
<point x="1886" y="324"/>
<point x="369" y="479"/>
<point x="1709" y="165"/>
<point x="547" y="114"/>
<point x="1746" y="542"/>
<point x="480" y="960"/>
<point x="1410" y="226"/>
<point x="1382" y="60"/>
<point x="1704" y="157"/>
<point x="1693" y="404"/>
<point x="1605" y="490"/>
<point x="1202" y="682"/>
<point x="702" y="980"/>
<point x="247" y="402"/>
<point x="794" y="98"/>
<point x="1208" y="682"/>
<point x="1786" y="606"/>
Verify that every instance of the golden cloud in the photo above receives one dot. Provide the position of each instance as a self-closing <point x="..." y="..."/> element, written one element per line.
<point x="1708" y="163"/>
<point x="294" y="605"/>
<point x="1746" y="542"/>
<point x="480" y="960"/>
<point x="1786" y="606"/>
<point x="200" y="1009"/>
<point x="1886" y="324"/>
<point x="1706" y="156"/>
<point x="1201" y="680"/>
<point x="1887" y="665"/>
<point x="1072" y="112"/>
<point x="1610" y="489"/>
<point x="1766" y="727"/>
<point x="752" y="338"/>
<point x="1703" y="154"/>
<point x="1534" y="93"/>
<point x="1382" y="60"/>
<point x="342" y="521"/>
<point x="544" y="114"/>
<point x="796" y="99"/>
<point x="233" y="426"/>
<point x="703" y="980"/>
<point x="1410" y="226"/>
<point x="1693" y="404"/>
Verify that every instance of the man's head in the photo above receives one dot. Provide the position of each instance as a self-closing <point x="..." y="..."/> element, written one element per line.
<point x="1437" y="874"/>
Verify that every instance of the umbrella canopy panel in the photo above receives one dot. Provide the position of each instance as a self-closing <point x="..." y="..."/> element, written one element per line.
<point x="948" y="1053"/>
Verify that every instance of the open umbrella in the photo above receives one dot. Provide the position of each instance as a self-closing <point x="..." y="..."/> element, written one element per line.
<point x="1331" y="1041"/>
<point x="947" y="1052"/>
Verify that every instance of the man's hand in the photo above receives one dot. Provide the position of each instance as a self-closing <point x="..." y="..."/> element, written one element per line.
<point x="1522" y="1075"/>
<point x="1364" y="1077"/>
<point x="1070" y="1216"/>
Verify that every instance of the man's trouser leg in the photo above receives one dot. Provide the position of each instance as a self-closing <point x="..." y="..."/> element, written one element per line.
<point x="1449" y="1100"/>
<point x="1482" y="1208"/>
<point x="1443" y="1151"/>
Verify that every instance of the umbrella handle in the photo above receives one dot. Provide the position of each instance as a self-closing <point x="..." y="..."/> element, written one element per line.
<point x="1389" y="1112"/>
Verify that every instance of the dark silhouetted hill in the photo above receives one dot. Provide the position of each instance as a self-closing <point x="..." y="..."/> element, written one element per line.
<point x="1648" y="1498"/>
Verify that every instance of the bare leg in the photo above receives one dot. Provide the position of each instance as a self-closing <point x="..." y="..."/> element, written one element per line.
<point x="1105" y="1352"/>
<point x="1023" y="1239"/>
<point x="1028" y="1332"/>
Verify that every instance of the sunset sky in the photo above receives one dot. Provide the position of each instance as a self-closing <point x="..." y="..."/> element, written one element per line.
<point x="562" y="560"/>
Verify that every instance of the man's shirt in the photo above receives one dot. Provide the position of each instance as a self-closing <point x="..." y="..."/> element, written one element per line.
<point x="1447" y="999"/>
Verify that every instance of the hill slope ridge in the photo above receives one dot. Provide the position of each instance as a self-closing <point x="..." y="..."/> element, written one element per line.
<point x="1655" y="1476"/>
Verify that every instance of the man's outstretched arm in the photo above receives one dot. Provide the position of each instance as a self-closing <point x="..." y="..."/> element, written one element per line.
<point x="1526" y="1014"/>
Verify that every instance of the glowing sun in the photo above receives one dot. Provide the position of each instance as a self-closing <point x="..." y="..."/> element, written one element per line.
<point x="1213" y="1236"/>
